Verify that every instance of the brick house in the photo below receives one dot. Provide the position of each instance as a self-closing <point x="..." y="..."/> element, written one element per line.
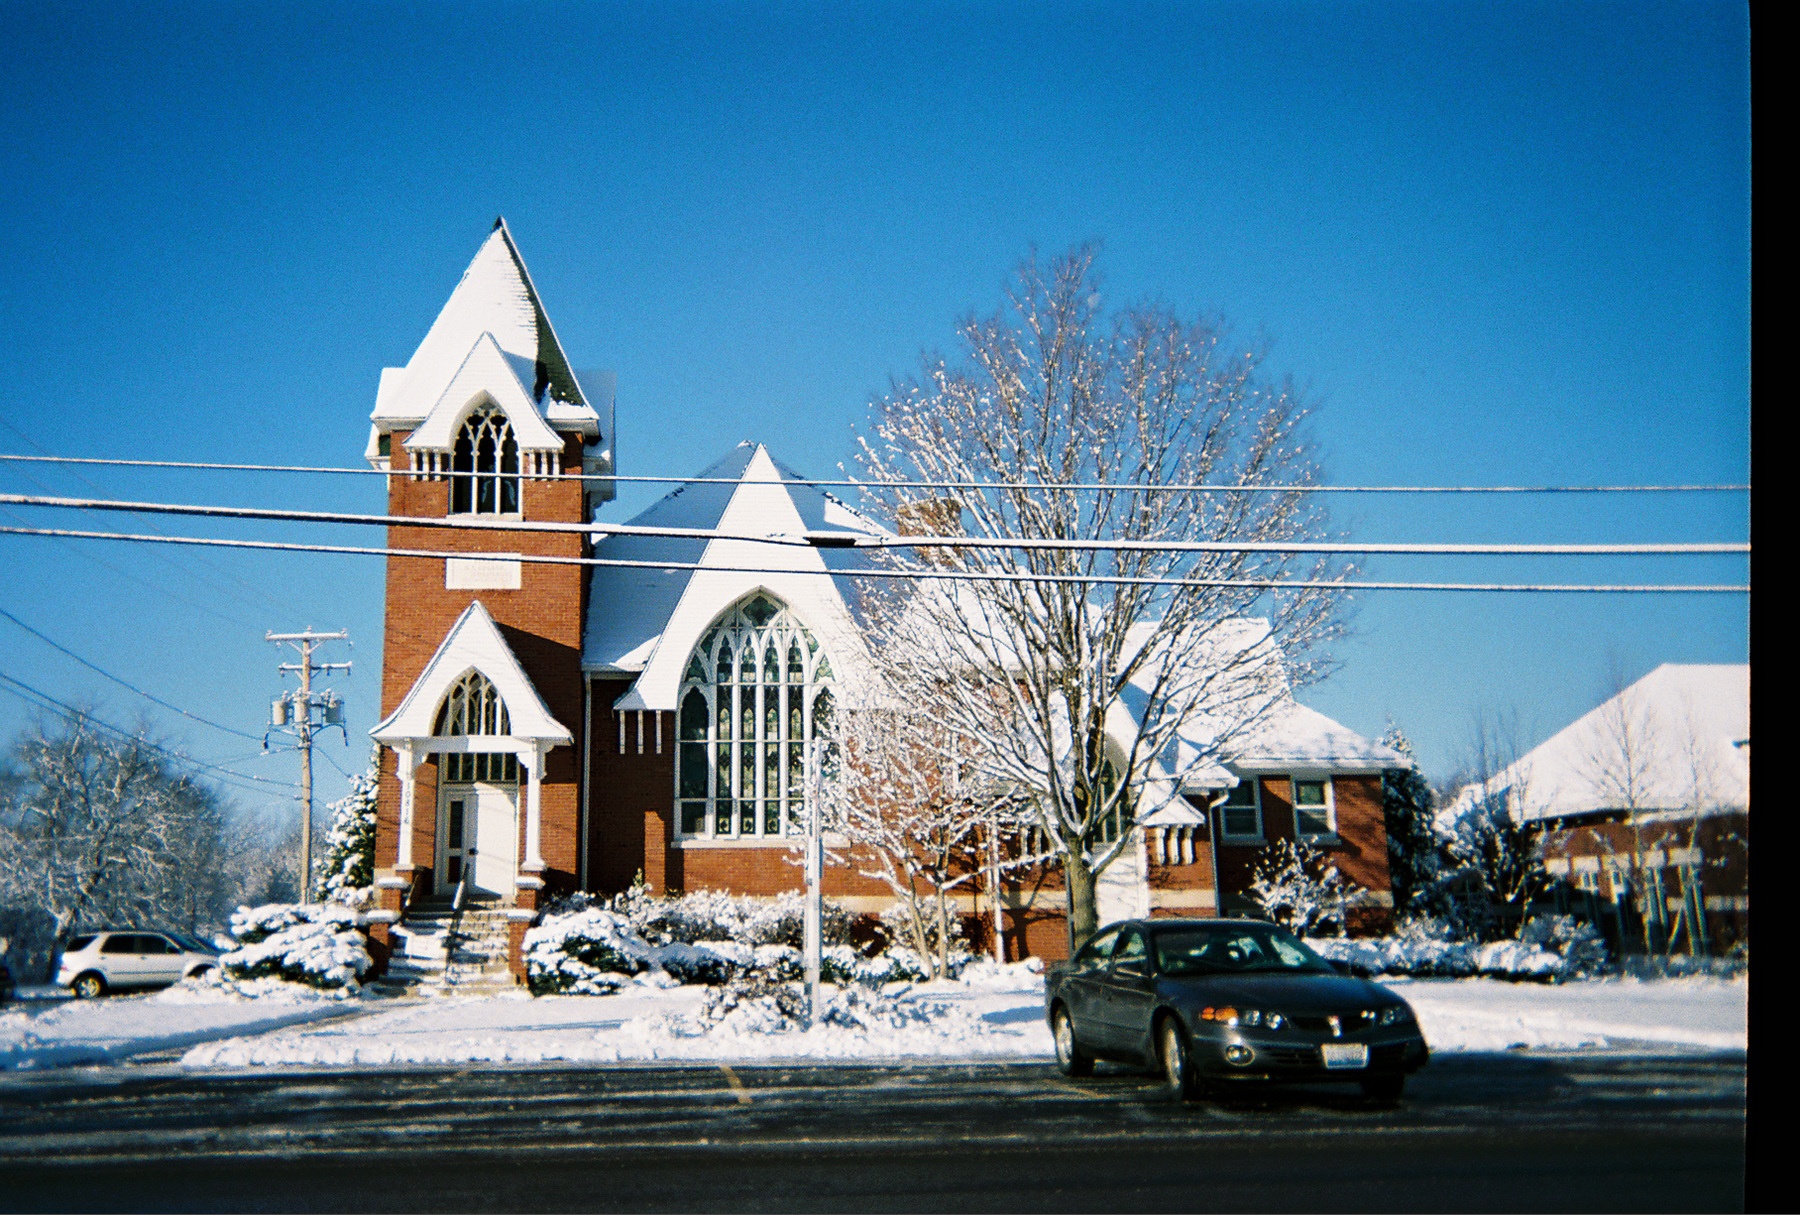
<point x="566" y="709"/>
<point x="1643" y="809"/>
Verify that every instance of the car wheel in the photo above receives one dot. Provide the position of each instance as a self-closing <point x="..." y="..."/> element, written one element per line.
<point x="1385" y="1089"/>
<point x="87" y="986"/>
<point x="1069" y="1057"/>
<point x="1177" y="1064"/>
<point x="199" y="972"/>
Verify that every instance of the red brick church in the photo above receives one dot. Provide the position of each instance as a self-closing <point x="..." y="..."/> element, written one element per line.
<point x="553" y="724"/>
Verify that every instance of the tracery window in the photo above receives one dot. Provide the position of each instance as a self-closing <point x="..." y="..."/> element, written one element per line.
<point x="473" y="706"/>
<point x="756" y="693"/>
<point x="484" y="467"/>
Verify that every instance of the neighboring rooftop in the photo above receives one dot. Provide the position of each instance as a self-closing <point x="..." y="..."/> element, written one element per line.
<point x="1688" y="726"/>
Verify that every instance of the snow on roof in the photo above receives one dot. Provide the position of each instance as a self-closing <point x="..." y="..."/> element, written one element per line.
<point x="1294" y="736"/>
<point x="495" y="298"/>
<point x="1686" y="720"/>
<point x="633" y="611"/>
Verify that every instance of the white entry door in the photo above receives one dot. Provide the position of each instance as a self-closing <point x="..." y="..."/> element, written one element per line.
<point x="480" y="831"/>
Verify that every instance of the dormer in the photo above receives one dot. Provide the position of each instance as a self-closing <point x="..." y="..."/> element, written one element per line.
<point x="492" y="370"/>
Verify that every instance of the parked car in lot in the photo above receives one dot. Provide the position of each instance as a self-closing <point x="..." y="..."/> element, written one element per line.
<point x="1206" y="1001"/>
<point x="97" y="962"/>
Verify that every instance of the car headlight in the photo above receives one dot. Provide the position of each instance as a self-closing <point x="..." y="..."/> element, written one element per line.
<point x="1396" y="1014"/>
<point x="1254" y="1017"/>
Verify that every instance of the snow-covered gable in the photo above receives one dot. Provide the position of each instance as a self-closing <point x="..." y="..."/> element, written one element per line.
<point x="647" y="621"/>
<point x="1689" y="719"/>
<point x="474" y="642"/>
<point x="496" y="300"/>
<point x="487" y="376"/>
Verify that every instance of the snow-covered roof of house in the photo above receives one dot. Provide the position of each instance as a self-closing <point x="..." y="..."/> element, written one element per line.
<point x="1295" y="737"/>
<point x="495" y="301"/>
<point x="645" y="622"/>
<point x="1264" y="728"/>
<point x="1688" y="725"/>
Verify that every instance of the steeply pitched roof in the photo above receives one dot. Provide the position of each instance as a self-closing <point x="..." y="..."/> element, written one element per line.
<point x="644" y="621"/>
<point x="495" y="297"/>
<point x="1685" y="721"/>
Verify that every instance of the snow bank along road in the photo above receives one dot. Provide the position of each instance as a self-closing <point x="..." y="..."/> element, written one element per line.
<point x="995" y="1020"/>
<point x="1539" y="1130"/>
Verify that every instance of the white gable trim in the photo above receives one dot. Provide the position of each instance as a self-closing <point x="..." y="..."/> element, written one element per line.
<point x="473" y="643"/>
<point x="760" y="505"/>
<point x="486" y="376"/>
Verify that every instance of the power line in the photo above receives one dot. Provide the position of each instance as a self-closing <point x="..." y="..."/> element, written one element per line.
<point x="154" y="699"/>
<point x="166" y="557"/>
<point x="840" y="539"/>
<point x="826" y="483"/>
<point x="914" y="575"/>
<point x="40" y="699"/>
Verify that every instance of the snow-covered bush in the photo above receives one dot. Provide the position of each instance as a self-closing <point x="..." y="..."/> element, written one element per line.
<point x="1301" y="889"/>
<point x="317" y="945"/>
<point x="709" y="915"/>
<point x="843" y="965"/>
<point x="348" y="875"/>
<point x="587" y="952"/>
<point x="1551" y="949"/>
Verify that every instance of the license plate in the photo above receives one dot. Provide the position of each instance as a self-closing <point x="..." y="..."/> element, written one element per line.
<point x="1345" y="1054"/>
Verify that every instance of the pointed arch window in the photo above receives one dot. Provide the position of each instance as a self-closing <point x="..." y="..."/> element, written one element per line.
<point x="484" y="466"/>
<point x="472" y="707"/>
<point x="756" y="693"/>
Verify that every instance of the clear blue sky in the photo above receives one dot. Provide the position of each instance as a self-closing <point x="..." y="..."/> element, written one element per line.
<point x="1497" y="242"/>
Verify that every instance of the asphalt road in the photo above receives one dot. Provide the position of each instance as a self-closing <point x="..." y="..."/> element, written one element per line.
<point x="1475" y="1132"/>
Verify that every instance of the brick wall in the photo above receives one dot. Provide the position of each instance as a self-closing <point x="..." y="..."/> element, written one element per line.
<point x="541" y="621"/>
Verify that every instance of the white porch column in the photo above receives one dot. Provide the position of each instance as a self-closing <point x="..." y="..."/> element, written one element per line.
<point x="405" y="764"/>
<point x="534" y="808"/>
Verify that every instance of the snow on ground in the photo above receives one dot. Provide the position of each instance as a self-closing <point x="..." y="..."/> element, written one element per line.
<point x="1490" y="1014"/>
<point x="998" y="1016"/>
<point x="41" y="1033"/>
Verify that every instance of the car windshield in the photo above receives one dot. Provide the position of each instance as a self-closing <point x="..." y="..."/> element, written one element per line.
<point x="191" y="944"/>
<point x="1234" y="949"/>
<point x="77" y="944"/>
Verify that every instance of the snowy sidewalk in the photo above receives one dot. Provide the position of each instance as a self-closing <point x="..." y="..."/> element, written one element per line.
<point x="66" y="1033"/>
<point x="952" y="1021"/>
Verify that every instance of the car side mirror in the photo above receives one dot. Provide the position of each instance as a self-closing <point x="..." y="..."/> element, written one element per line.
<point x="1134" y="970"/>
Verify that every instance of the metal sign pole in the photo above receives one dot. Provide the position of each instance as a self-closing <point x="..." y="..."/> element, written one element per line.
<point x="815" y="865"/>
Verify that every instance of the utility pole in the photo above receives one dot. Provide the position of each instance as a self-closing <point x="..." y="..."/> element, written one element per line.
<point x="294" y="711"/>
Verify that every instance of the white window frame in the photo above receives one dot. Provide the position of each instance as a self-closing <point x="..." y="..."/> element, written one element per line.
<point x="736" y="628"/>
<point x="1295" y="779"/>
<point x="1226" y="835"/>
<point x="489" y="418"/>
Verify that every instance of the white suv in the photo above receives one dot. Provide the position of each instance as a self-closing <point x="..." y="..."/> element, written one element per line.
<point x="98" y="962"/>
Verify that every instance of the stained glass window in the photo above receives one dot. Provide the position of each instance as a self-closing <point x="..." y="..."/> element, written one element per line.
<point x="741" y="766"/>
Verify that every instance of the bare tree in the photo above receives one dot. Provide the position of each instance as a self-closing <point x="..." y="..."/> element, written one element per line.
<point x="1495" y="848"/>
<point x="1624" y="760"/>
<point x="1071" y="660"/>
<point x="916" y="814"/>
<point x="95" y="826"/>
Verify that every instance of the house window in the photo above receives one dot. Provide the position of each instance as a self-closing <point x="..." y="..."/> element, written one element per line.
<point x="1314" y="815"/>
<point x="756" y="693"/>
<point x="1241" y="810"/>
<point x="484" y="467"/>
<point x="1113" y="820"/>
<point x="473" y="706"/>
